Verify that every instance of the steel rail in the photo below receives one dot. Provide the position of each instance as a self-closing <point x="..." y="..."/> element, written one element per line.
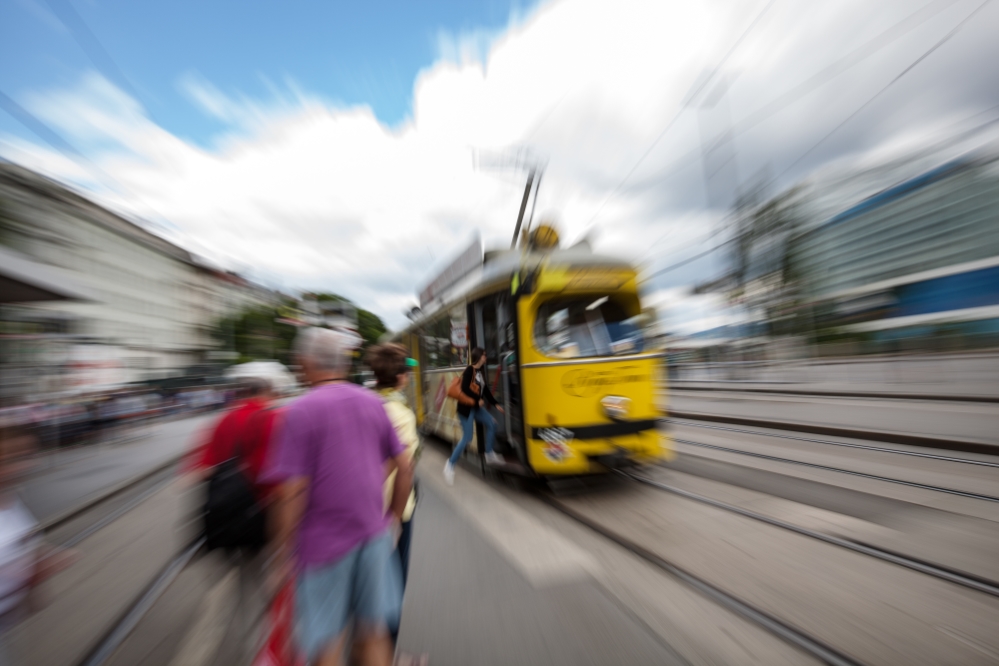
<point x="976" y="583"/>
<point x="677" y="385"/>
<point x="911" y="484"/>
<point x="132" y="504"/>
<point x="119" y="489"/>
<point x="883" y="449"/>
<point x="786" y="632"/>
<point x="142" y="604"/>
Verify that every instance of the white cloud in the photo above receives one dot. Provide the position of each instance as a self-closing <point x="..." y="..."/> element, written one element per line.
<point x="329" y="197"/>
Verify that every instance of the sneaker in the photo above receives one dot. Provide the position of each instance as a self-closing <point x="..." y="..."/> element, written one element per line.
<point x="449" y="473"/>
<point x="493" y="458"/>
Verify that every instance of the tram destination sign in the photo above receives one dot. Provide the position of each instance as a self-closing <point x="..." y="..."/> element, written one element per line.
<point x="463" y="264"/>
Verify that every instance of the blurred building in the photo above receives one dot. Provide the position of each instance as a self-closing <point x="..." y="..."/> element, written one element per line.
<point x="881" y="256"/>
<point x="151" y="306"/>
<point x="918" y="258"/>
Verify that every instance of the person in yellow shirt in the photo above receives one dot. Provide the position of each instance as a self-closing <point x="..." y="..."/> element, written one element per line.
<point x="391" y="364"/>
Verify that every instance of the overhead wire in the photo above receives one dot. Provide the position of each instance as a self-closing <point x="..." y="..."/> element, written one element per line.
<point x="42" y="130"/>
<point x="894" y="80"/>
<point x="676" y="116"/>
<point x="100" y="58"/>
<point x="851" y="59"/>
<point x="861" y="53"/>
<point x="89" y="43"/>
<point x="888" y="85"/>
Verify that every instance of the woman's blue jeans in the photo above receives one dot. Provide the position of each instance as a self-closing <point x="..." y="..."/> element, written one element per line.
<point x="467" y="422"/>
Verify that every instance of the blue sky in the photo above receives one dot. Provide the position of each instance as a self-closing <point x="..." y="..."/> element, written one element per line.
<point x="346" y="52"/>
<point x="335" y="146"/>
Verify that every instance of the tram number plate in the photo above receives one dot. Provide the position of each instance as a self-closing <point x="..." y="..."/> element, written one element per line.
<point x="556" y="443"/>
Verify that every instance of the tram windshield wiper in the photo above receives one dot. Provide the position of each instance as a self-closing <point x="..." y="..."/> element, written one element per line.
<point x="597" y="303"/>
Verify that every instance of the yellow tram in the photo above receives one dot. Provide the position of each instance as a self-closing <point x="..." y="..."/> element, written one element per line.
<point x="566" y="356"/>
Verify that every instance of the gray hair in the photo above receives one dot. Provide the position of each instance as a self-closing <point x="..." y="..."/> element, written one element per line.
<point x="329" y="350"/>
<point x="254" y="386"/>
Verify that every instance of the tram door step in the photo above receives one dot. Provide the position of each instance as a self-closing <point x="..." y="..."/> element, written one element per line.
<point x="512" y="466"/>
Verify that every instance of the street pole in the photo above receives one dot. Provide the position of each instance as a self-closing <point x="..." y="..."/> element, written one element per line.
<point x="523" y="206"/>
<point x="534" y="203"/>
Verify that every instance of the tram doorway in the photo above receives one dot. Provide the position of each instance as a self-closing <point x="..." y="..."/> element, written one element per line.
<point x="494" y="329"/>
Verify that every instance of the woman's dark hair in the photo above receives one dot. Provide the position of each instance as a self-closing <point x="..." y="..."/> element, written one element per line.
<point x="387" y="361"/>
<point x="477" y="353"/>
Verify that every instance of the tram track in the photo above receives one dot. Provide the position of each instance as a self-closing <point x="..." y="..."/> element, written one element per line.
<point x="904" y="438"/>
<point x="755" y="599"/>
<point x="154" y="484"/>
<point x="141" y="604"/>
<point x="90" y="517"/>
<point x="680" y="387"/>
<point x="137" y="491"/>
<point x="773" y="620"/>
<point x="970" y="581"/>
<point x="787" y="632"/>
<point x="849" y="445"/>
<point x="828" y="468"/>
<point x="123" y="489"/>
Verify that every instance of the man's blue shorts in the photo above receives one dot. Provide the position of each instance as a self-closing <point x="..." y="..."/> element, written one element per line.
<point x="364" y="585"/>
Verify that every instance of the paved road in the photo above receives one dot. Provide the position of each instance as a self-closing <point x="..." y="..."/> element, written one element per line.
<point x="68" y="479"/>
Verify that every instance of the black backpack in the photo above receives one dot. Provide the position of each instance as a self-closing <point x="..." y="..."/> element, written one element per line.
<point x="232" y="517"/>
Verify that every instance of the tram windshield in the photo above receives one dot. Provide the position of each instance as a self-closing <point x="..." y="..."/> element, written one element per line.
<point x="584" y="326"/>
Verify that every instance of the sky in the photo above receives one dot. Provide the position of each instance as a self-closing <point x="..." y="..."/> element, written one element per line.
<point x="356" y="147"/>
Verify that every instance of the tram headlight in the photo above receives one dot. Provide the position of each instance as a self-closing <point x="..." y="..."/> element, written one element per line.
<point x="616" y="407"/>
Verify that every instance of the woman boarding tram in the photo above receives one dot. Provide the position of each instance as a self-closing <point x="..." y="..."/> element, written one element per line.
<point x="574" y="384"/>
<point x="474" y="387"/>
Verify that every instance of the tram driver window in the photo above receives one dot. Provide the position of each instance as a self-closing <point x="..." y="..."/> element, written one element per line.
<point x="584" y="326"/>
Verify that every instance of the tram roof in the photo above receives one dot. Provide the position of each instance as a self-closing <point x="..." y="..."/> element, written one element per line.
<point x="499" y="267"/>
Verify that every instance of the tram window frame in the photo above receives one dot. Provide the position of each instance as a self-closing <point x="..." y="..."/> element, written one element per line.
<point x="434" y="353"/>
<point x="436" y="346"/>
<point x="604" y="347"/>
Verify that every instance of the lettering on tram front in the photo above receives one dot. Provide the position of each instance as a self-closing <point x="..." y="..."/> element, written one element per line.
<point x="585" y="382"/>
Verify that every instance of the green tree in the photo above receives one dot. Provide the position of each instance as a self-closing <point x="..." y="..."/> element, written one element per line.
<point x="255" y="335"/>
<point x="369" y="325"/>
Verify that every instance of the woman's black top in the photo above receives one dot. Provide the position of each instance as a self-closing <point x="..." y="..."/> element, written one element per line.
<point x="474" y="385"/>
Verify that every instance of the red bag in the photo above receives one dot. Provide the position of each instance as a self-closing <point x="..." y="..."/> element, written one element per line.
<point x="279" y="645"/>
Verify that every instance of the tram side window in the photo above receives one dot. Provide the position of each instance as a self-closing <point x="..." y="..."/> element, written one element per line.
<point x="437" y="348"/>
<point x="583" y="326"/>
<point x="436" y="345"/>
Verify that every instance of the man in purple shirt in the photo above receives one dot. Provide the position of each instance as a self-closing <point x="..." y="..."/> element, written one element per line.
<point x="331" y="459"/>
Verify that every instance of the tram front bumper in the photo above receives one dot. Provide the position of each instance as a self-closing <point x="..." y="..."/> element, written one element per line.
<point x="618" y="459"/>
<point x="557" y="450"/>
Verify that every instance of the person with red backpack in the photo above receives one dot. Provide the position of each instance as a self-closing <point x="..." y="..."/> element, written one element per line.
<point x="234" y="513"/>
<point x="245" y="432"/>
